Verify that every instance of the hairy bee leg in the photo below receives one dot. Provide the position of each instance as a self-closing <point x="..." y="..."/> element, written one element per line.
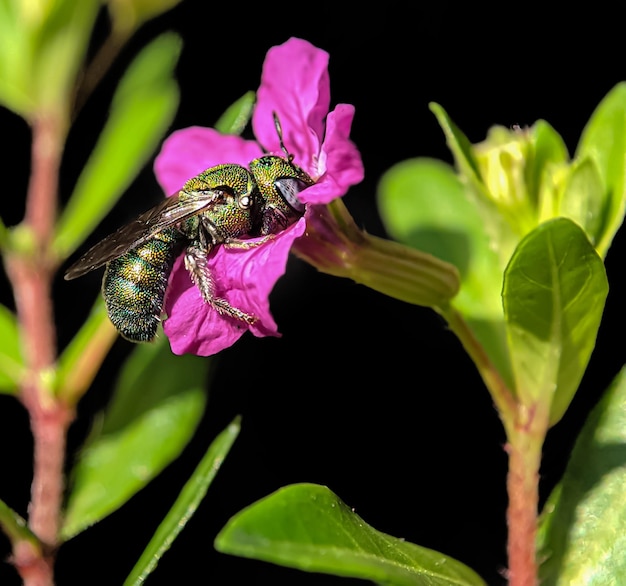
<point x="247" y="244"/>
<point x="196" y="265"/>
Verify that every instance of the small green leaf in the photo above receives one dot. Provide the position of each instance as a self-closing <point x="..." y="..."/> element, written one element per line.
<point x="237" y="116"/>
<point x="549" y="150"/>
<point x="306" y="526"/>
<point x="494" y="223"/>
<point x="185" y="506"/>
<point x="604" y="141"/>
<point x="458" y="143"/>
<point x="581" y="538"/>
<point x="11" y="362"/>
<point x="83" y="356"/>
<point x="554" y="292"/>
<point x="15" y="527"/>
<point x="143" y="108"/>
<point x="582" y="198"/>
<point x="158" y="402"/>
<point x="424" y="205"/>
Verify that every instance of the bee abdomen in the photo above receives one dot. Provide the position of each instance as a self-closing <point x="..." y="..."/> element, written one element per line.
<point x="134" y="285"/>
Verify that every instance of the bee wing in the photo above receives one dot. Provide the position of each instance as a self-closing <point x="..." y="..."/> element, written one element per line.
<point x="166" y="214"/>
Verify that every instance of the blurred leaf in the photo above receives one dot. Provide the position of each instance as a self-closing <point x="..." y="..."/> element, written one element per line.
<point x="83" y="357"/>
<point x="15" y="59"/>
<point x="237" y="116"/>
<point x="142" y="110"/>
<point x="604" y="141"/>
<point x="423" y="204"/>
<point x="11" y="362"/>
<point x="581" y="536"/>
<point x="306" y="526"/>
<point x="128" y="15"/>
<point x="458" y="143"/>
<point x="185" y="506"/>
<point x="554" y="292"/>
<point x="158" y="402"/>
<point x="60" y="50"/>
<point x="42" y="46"/>
<point x="15" y="527"/>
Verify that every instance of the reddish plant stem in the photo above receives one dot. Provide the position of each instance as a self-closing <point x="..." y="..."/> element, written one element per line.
<point x="31" y="274"/>
<point x="524" y="448"/>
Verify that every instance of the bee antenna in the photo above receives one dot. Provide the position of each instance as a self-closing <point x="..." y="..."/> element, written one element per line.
<point x="279" y="131"/>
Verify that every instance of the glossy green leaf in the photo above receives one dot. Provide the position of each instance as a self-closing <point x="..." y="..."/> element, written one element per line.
<point x="158" y="402"/>
<point x="11" y="362"/>
<point x="306" y="526"/>
<point x="554" y="292"/>
<point x="423" y="204"/>
<point x="581" y="537"/>
<point x="236" y="117"/>
<point x="185" y="506"/>
<point x="604" y="141"/>
<point x="142" y="110"/>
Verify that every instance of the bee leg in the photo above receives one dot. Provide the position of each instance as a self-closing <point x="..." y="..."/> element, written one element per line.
<point x="196" y="265"/>
<point x="247" y="244"/>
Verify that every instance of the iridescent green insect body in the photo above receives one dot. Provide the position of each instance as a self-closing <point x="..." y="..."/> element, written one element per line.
<point x="221" y="206"/>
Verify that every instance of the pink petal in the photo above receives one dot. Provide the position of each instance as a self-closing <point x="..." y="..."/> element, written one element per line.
<point x="245" y="278"/>
<point x="192" y="150"/>
<point x="340" y="161"/>
<point x="295" y="85"/>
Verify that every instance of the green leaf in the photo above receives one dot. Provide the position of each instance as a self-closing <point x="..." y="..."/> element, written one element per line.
<point x="424" y="205"/>
<point x="16" y="528"/>
<point x="142" y="110"/>
<point x="458" y="143"/>
<point x="554" y="292"/>
<point x="15" y="60"/>
<point x="11" y="362"/>
<point x="60" y="49"/>
<point x="581" y="538"/>
<point x="185" y="506"/>
<point x="548" y="158"/>
<point x="158" y="402"/>
<point x="306" y="526"/>
<point x="494" y="223"/>
<point x="237" y="116"/>
<point x="604" y="141"/>
<point x="583" y="197"/>
<point x="83" y="356"/>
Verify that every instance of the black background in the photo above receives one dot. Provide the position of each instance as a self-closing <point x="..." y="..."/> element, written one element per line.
<point x="369" y="396"/>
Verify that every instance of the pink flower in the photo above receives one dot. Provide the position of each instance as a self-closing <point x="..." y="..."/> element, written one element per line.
<point x="295" y="85"/>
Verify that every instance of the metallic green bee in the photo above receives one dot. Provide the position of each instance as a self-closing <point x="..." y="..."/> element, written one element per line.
<point x="221" y="206"/>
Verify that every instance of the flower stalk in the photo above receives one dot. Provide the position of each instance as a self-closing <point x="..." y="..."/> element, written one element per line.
<point x="334" y="244"/>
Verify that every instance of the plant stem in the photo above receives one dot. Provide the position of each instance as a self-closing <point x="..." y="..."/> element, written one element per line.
<point x="31" y="272"/>
<point x="524" y="447"/>
<point x="525" y="429"/>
